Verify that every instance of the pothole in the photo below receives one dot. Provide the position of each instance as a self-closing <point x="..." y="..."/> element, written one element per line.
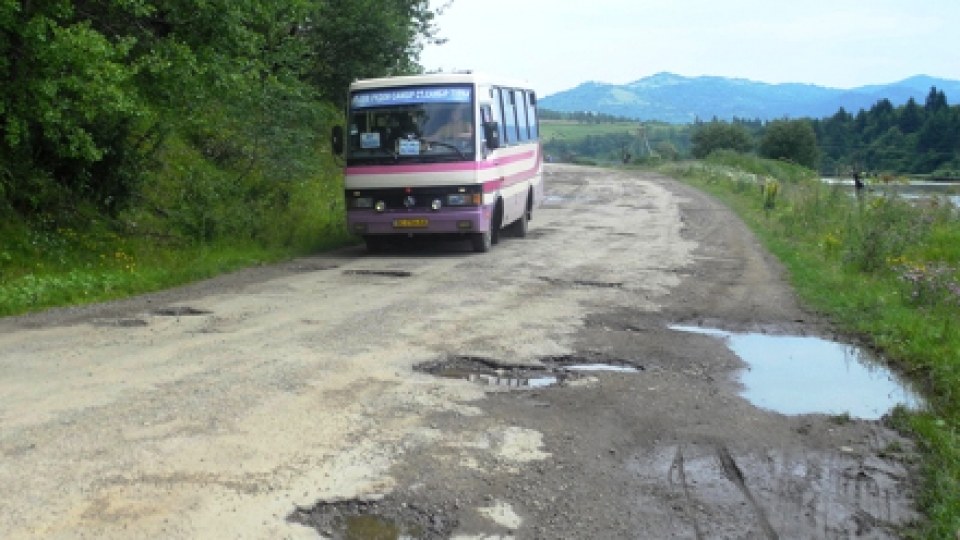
<point x="312" y="267"/>
<point x="554" y="371"/>
<point x="180" y="311"/>
<point x="120" y="323"/>
<point x="583" y="283"/>
<point x="382" y="273"/>
<point x="613" y="326"/>
<point x="596" y="362"/>
<point x="599" y="284"/>
<point x="378" y="519"/>
<point x="488" y="372"/>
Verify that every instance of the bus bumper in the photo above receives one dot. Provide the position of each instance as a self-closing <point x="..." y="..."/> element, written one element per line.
<point x="445" y="221"/>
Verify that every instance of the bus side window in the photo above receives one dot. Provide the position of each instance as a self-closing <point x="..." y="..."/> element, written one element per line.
<point x="486" y="117"/>
<point x="523" y="127"/>
<point x="532" y="115"/>
<point x="509" y="123"/>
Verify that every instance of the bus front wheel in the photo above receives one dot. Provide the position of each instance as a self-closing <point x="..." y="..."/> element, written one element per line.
<point x="482" y="242"/>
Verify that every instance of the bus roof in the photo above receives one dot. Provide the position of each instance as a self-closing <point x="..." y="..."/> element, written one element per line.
<point x="435" y="79"/>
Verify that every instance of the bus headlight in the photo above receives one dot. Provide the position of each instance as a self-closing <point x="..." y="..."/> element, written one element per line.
<point x="380" y="206"/>
<point x="435" y="205"/>
<point x="361" y="202"/>
<point x="464" y="199"/>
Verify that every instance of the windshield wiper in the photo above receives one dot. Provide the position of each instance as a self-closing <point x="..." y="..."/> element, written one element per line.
<point x="389" y="152"/>
<point x="453" y="147"/>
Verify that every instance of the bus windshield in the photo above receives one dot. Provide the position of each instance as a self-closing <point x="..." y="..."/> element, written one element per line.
<point x="421" y="124"/>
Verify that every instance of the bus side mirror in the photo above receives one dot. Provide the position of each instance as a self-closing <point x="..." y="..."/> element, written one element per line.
<point x="491" y="132"/>
<point x="336" y="139"/>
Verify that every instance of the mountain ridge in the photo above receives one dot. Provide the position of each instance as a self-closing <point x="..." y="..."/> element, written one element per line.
<point x="673" y="98"/>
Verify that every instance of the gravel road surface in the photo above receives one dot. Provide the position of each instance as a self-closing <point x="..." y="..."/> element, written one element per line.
<point x="427" y="392"/>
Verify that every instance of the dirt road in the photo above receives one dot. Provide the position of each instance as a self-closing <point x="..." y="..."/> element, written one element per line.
<point x="284" y="401"/>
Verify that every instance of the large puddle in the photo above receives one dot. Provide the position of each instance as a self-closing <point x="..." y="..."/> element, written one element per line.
<point x="807" y="375"/>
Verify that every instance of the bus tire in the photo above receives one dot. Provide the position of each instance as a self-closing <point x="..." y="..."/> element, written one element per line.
<point x="520" y="226"/>
<point x="375" y="244"/>
<point x="482" y="242"/>
<point x="496" y="223"/>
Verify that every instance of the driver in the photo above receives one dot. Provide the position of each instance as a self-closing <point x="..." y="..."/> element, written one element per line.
<point x="458" y="125"/>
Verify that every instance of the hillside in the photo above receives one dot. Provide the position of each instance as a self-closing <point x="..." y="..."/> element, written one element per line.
<point x="677" y="99"/>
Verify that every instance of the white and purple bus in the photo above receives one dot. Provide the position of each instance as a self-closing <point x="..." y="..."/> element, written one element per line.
<point x="448" y="155"/>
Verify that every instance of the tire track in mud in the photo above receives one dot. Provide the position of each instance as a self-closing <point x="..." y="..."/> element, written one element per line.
<point x="691" y="502"/>
<point x="733" y="473"/>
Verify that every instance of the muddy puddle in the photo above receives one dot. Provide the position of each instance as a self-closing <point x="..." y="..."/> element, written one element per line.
<point x="807" y="375"/>
<point x="384" y="519"/>
<point x="554" y="371"/>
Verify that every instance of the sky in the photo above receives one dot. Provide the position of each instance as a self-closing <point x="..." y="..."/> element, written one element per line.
<point x="554" y="45"/>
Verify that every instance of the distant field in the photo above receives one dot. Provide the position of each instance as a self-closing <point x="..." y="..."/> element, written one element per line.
<point x="571" y="130"/>
<point x="605" y="140"/>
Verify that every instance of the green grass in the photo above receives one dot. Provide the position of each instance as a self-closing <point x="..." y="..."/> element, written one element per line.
<point x="84" y="258"/>
<point x="67" y="267"/>
<point x="883" y="269"/>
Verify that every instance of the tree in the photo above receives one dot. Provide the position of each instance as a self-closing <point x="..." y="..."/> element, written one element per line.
<point x="910" y="117"/>
<point x="793" y="140"/>
<point x="350" y="39"/>
<point x="936" y="100"/>
<point x="718" y="135"/>
<point x="67" y="103"/>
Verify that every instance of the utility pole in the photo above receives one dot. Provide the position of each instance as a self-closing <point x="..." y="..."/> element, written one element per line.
<point x="644" y="142"/>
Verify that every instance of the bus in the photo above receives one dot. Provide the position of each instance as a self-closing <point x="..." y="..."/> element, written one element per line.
<point x="453" y="155"/>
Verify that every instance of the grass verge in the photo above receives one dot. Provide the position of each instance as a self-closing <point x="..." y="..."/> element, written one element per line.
<point x="884" y="268"/>
<point x="42" y="268"/>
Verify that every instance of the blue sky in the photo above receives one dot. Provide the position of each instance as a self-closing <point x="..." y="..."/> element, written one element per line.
<point x="556" y="44"/>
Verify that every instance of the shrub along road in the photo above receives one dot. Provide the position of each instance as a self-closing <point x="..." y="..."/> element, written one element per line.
<point x="280" y="400"/>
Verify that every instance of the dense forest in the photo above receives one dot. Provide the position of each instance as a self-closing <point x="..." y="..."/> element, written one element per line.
<point x="189" y="118"/>
<point x="912" y="138"/>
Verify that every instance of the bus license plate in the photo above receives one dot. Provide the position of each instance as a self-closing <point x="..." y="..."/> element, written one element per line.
<point x="418" y="223"/>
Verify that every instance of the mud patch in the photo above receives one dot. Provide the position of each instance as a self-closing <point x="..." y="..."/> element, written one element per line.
<point x="780" y="493"/>
<point x="180" y="311"/>
<point x="381" y="273"/>
<point x="541" y="232"/>
<point x="386" y="518"/>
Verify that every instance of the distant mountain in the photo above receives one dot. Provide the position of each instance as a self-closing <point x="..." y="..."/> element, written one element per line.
<point x="677" y="99"/>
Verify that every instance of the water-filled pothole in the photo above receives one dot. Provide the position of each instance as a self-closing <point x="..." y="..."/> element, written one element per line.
<point x="379" y="519"/>
<point x="554" y="371"/>
<point x="808" y="375"/>
<point x="489" y="372"/>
